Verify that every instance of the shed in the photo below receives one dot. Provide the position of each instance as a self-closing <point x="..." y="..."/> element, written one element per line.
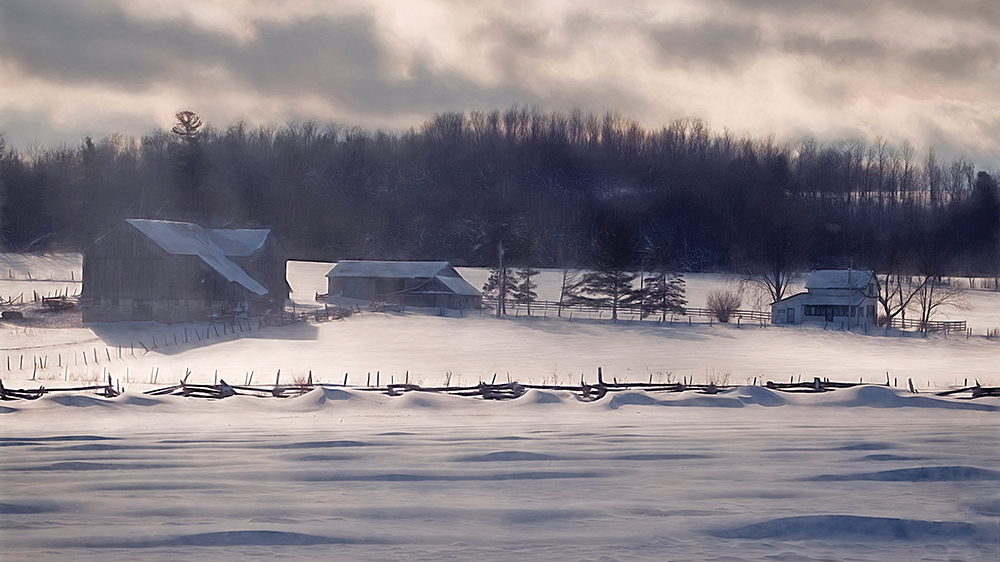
<point x="847" y="297"/>
<point x="418" y="284"/>
<point x="178" y="271"/>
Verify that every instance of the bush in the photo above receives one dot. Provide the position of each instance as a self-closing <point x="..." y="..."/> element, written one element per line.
<point x="723" y="304"/>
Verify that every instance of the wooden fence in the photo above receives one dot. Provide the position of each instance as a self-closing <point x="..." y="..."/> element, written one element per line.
<point x="553" y="308"/>
<point x="487" y="391"/>
<point x="932" y="326"/>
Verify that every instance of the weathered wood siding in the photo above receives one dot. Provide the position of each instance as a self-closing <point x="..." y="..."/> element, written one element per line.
<point x="126" y="276"/>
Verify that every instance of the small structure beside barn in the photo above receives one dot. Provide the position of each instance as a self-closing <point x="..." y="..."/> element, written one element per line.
<point x="435" y="286"/>
<point x="843" y="297"/>
<point x="171" y="272"/>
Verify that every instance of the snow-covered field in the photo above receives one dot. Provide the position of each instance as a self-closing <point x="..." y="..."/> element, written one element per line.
<point x="867" y="473"/>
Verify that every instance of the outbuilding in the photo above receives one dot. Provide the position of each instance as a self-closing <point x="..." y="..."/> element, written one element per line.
<point x="839" y="297"/>
<point x="416" y="284"/>
<point x="169" y="272"/>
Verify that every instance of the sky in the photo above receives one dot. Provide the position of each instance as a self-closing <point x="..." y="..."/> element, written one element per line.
<point x="924" y="71"/>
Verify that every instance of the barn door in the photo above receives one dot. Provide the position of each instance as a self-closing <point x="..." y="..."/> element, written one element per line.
<point x="142" y="311"/>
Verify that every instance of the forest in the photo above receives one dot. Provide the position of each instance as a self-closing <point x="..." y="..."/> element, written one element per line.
<point x="554" y="188"/>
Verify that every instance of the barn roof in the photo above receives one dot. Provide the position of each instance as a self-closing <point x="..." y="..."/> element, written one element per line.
<point x="458" y="286"/>
<point x="239" y="241"/>
<point x="838" y="279"/>
<point x="391" y="269"/>
<point x="186" y="239"/>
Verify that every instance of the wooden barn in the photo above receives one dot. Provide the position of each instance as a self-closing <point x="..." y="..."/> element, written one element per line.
<point x="178" y="272"/>
<point x="417" y="284"/>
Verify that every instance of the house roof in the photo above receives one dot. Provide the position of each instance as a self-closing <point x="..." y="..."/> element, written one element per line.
<point x="811" y="299"/>
<point x="392" y="269"/>
<point x="838" y="279"/>
<point x="186" y="239"/>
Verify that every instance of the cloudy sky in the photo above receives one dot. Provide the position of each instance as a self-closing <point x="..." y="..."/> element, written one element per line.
<point x="927" y="71"/>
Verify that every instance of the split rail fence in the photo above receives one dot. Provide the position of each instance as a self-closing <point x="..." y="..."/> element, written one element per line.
<point x="487" y="391"/>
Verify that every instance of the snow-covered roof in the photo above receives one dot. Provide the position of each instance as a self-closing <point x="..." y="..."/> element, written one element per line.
<point x="459" y="286"/>
<point x="811" y="299"/>
<point x="392" y="269"/>
<point x="838" y="279"/>
<point x="186" y="239"/>
<point x="239" y="241"/>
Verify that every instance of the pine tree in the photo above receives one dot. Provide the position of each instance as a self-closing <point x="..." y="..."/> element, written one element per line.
<point x="523" y="288"/>
<point x="568" y="289"/>
<point x="615" y="256"/>
<point x="609" y="288"/>
<point x="497" y="287"/>
<point x="662" y="293"/>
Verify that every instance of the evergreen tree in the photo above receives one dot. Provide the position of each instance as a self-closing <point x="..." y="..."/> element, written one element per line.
<point x="605" y="289"/>
<point x="662" y="293"/>
<point x="190" y="166"/>
<point x="615" y="255"/>
<point x="568" y="288"/>
<point x="497" y="287"/>
<point x="523" y="288"/>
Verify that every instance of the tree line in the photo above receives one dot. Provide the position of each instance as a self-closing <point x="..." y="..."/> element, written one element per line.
<point x="556" y="189"/>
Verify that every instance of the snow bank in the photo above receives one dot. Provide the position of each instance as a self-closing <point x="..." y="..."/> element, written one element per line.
<point x="884" y="397"/>
<point x="854" y="528"/>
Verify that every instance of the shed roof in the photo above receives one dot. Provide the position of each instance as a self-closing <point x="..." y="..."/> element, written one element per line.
<point x="392" y="269"/>
<point x="839" y="279"/>
<point x="186" y="239"/>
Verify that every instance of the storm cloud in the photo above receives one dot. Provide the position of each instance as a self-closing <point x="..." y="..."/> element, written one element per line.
<point x="919" y="70"/>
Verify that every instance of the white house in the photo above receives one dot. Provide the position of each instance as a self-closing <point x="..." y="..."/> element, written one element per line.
<point x="841" y="297"/>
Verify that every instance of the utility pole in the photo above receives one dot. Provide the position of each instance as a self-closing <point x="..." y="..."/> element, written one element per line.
<point x="502" y="285"/>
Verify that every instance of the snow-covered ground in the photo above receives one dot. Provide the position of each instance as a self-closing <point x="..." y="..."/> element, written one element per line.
<point x="867" y="473"/>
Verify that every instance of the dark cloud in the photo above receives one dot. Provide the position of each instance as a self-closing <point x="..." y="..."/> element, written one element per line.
<point x="972" y="11"/>
<point x="717" y="44"/>
<point x="985" y="12"/>
<point x="340" y="59"/>
<point x="93" y="42"/>
<point x="961" y="61"/>
<point x="798" y="7"/>
<point x="842" y="52"/>
<point x="310" y="67"/>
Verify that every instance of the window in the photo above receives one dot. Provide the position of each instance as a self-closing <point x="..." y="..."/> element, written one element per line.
<point x="828" y="310"/>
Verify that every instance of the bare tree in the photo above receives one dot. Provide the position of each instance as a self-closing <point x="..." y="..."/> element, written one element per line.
<point x="775" y="245"/>
<point x="894" y="289"/>
<point x="932" y="290"/>
<point x="723" y="304"/>
<point x="933" y="293"/>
